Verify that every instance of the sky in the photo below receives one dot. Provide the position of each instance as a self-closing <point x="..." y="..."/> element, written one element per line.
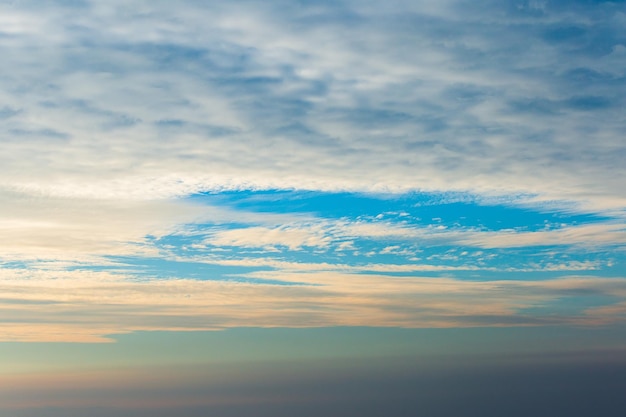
<point x="279" y="208"/>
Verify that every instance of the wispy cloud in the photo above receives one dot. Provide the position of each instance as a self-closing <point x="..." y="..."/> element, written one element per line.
<point x="116" y="117"/>
<point x="150" y="99"/>
<point x="587" y="235"/>
<point x="261" y="237"/>
<point x="87" y="306"/>
<point x="45" y="228"/>
<point x="322" y="233"/>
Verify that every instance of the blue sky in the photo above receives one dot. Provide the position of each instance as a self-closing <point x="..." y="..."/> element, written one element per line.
<point x="282" y="169"/>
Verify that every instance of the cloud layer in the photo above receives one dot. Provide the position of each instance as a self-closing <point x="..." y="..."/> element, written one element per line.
<point x="201" y="165"/>
<point x="86" y="307"/>
<point x="154" y="99"/>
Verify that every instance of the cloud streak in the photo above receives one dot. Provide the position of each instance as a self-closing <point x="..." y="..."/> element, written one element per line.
<point x="85" y="306"/>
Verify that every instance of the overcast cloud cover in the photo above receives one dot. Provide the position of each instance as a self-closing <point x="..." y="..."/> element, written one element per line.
<point x="204" y="165"/>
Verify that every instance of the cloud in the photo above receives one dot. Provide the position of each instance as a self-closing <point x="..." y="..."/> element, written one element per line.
<point x="322" y="233"/>
<point x="114" y="113"/>
<point x="293" y="238"/>
<point x="54" y="229"/>
<point x="593" y="235"/>
<point x="82" y="306"/>
<point x="147" y="99"/>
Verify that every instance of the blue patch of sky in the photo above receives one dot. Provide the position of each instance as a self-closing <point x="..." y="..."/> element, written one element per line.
<point x="368" y="252"/>
<point x="418" y="209"/>
<point x="162" y="268"/>
<point x="13" y="264"/>
<point x="411" y="209"/>
<point x="512" y="264"/>
<point x="189" y="253"/>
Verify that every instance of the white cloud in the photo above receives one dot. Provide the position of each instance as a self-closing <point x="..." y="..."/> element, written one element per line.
<point x="161" y="103"/>
<point x="308" y="231"/>
<point x="112" y="110"/>
<point x="293" y="238"/>
<point x="591" y="235"/>
<point x="52" y="229"/>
